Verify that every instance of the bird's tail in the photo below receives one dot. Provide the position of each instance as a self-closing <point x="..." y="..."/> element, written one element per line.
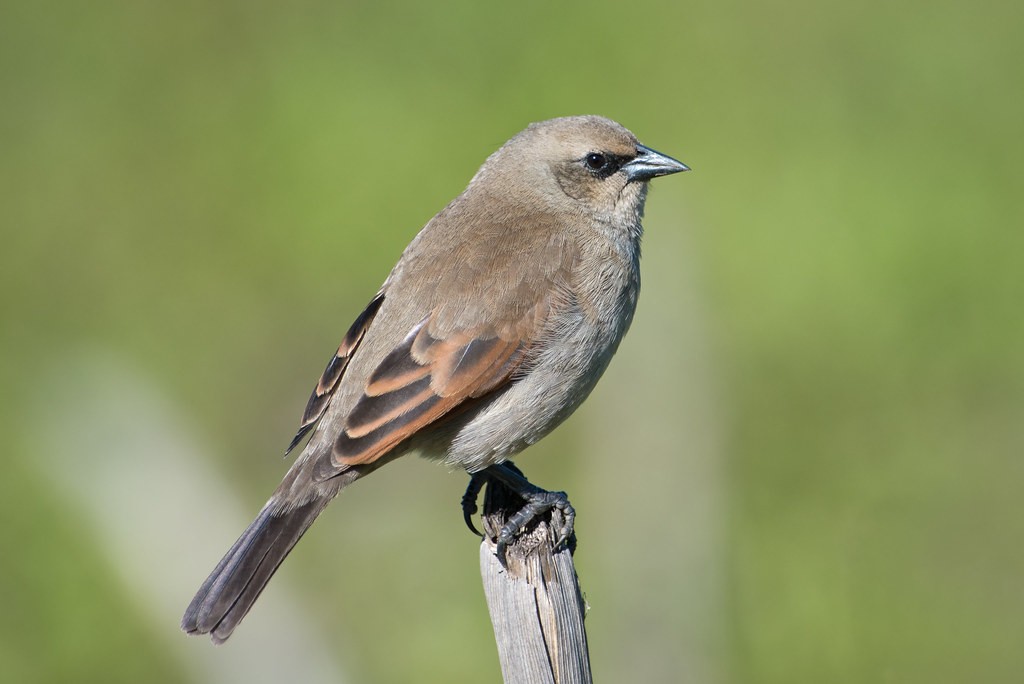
<point x="229" y="592"/>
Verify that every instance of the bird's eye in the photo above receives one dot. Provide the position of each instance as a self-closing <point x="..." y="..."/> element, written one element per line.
<point x="596" y="161"/>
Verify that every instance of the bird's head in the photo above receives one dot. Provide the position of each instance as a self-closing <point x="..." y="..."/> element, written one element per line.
<point x="585" y="164"/>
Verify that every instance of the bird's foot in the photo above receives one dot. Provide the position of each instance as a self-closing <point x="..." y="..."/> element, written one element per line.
<point x="537" y="502"/>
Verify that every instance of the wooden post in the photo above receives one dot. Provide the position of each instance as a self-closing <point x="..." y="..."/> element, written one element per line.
<point x="534" y="599"/>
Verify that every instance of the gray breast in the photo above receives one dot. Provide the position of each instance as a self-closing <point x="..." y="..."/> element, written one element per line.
<point x="572" y="354"/>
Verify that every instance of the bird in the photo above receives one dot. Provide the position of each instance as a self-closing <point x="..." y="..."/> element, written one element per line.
<point x="493" y="327"/>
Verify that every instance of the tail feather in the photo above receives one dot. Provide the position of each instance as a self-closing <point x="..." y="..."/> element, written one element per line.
<point x="229" y="592"/>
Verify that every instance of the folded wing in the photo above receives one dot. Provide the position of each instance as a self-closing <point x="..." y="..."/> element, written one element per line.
<point x="420" y="381"/>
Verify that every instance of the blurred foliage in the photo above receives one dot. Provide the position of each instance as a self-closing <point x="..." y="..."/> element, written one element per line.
<point x="211" y="191"/>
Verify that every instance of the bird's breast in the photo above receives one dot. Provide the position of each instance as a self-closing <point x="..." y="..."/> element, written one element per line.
<point x="579" y="338"/>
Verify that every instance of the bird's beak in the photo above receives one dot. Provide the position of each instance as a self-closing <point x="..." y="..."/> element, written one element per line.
<point x="649" y="164"/>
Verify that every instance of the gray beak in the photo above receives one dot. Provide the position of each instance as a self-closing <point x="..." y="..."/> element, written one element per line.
<point x="651" y="164"/>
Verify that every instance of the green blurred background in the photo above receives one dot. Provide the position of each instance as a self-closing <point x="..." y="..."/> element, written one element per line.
<point x="803" y="466"/>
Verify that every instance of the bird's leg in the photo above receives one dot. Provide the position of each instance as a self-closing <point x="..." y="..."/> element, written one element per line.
<point x="537" y="502"/>
<point x="476" y="483"/>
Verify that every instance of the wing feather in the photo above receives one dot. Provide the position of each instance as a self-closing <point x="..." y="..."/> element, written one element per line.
<point x="422" y="380"/>
<point x="324" y="389"/>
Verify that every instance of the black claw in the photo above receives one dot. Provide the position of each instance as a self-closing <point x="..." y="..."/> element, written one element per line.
<point x="567" y="513"/>
<point x="469" y="507"/>
<point x="499" y="552"/>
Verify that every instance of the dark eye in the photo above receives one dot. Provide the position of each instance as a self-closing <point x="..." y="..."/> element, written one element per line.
<point x="596" y="161"/>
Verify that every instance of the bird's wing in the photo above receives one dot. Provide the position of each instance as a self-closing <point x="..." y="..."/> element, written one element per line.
<point x="324" y="389"/>
<point x="423" y="379"/>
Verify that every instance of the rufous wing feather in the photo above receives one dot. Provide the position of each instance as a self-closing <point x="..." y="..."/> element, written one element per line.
<point x="419" y="382"/>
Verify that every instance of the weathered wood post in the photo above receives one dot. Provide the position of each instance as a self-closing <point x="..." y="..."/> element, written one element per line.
<point x="534" y="599"/>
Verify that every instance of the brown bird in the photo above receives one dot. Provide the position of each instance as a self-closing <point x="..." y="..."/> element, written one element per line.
<point x="493" y="327"/>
